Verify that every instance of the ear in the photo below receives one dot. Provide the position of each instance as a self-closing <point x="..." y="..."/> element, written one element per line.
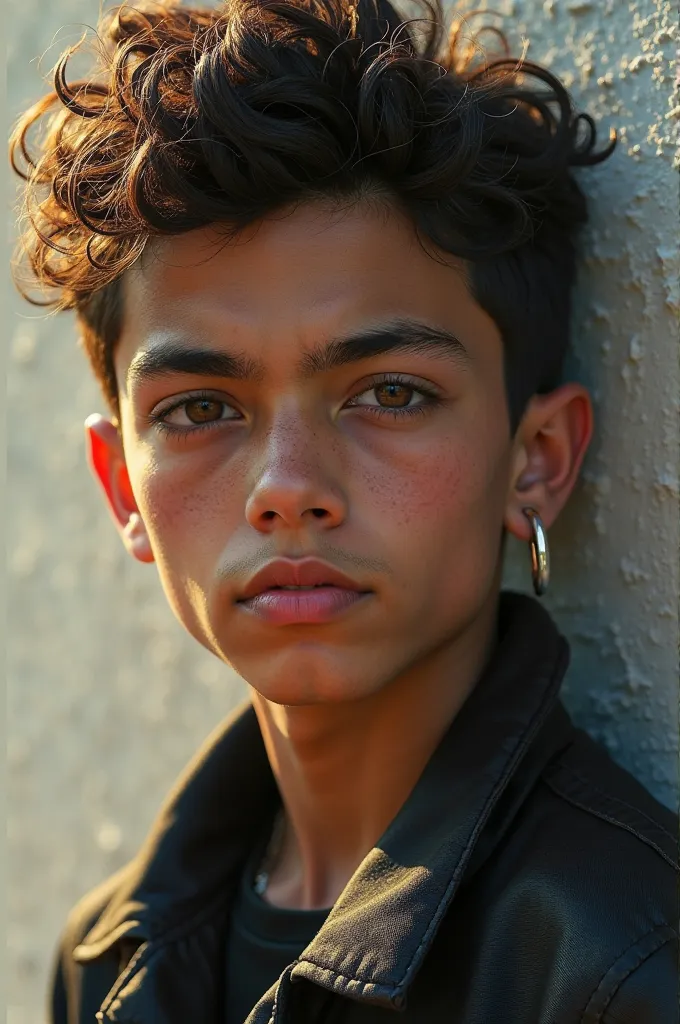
<point x="106" y="459"/>
<point x="550" y="444"/>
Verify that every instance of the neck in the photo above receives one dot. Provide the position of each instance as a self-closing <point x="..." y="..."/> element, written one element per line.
<point x="345" y="770"/>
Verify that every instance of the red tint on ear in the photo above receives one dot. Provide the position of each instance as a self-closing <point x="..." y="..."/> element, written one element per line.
<point x="97" y="454"/>
<point x="125" y="488"/>
<point x="107" y="463"/>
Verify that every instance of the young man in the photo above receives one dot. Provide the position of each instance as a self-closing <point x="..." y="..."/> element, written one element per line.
<point x="322" y="267"/>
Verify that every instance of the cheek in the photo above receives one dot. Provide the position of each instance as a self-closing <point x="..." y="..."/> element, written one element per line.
<point x="188" y="526"/>
<point x="187" y="529"/>
<point x="409" y="503"/>
<point x="445" y="488"/>
<point x="441" y="526"/>
<point x="183" y="510"/>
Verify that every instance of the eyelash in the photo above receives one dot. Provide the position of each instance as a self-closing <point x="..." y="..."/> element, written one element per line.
<point x="432" y="397"/>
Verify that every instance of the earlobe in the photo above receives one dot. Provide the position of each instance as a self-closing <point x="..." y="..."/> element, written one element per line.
<point x="106" y="459"/>
<point x="136" y="539"/>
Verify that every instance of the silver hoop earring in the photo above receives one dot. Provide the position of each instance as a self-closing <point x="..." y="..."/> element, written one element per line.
<point x="538" y="545"/>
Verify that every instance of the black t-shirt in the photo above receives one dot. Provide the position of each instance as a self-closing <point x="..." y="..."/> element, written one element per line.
<point x="262" y="941"/>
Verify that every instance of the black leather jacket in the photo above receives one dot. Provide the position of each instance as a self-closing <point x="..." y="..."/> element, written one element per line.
<point x="526" y="880"/>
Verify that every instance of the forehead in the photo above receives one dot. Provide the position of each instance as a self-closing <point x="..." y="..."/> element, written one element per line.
<point x="292" y="278"/>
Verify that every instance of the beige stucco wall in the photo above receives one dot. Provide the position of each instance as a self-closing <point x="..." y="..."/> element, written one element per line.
<point x="108" y="697"/>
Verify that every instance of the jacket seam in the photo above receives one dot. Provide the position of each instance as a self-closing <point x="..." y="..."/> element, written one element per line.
<point x="615" y="988"/>
<point x="612" y="821"/>
<point x="616" y="799"/>
<point x="345" y="977"/>
<point x="122" y="979"/>
<point x="284" y="979"/>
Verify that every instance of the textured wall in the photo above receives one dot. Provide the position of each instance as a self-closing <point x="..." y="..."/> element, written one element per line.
<point x="109" y="699"/>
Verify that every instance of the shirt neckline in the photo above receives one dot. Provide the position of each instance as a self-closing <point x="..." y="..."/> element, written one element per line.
<point x="268" y="922"/>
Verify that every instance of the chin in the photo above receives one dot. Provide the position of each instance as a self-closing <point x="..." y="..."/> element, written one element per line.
<point x="302" y="678"/>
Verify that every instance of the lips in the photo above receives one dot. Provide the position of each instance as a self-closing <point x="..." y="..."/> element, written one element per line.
<point x="307" y="572"/>
<point x="301" y="592"/>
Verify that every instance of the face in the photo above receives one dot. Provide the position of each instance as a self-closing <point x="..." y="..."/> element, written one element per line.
<point x="347" y="404"/>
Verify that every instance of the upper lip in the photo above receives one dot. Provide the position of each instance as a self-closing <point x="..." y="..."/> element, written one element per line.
<point x="307" y="572"/>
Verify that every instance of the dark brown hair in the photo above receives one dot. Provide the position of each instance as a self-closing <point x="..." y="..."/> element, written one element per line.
<point x="192" y="116"/>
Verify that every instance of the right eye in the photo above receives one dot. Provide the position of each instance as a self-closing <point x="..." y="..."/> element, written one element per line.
<point x="191" y="414"/>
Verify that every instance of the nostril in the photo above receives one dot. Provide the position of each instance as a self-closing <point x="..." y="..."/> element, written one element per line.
<point x="270" y="513"/>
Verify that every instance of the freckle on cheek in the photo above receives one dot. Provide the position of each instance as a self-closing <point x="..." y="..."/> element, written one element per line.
<point x="170" y="508"/>
<point x="410" y="500"/>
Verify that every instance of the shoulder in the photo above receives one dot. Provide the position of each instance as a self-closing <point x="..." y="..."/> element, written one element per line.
<point x="89" y="908"/>
<point x="640" y="985"/>
<point x="608" y="837"/>
<point x="607" y="852"/>
<point x="611" y="800"/>
<point x="587" y="816"/>
<point x="68" y="998"/>
<point x="581" y="893"/>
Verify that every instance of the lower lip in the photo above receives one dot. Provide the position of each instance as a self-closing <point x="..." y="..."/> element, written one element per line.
<point x="288" y="607"/>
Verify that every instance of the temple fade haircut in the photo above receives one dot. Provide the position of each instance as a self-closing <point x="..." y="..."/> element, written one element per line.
<point x="196" y="116"/>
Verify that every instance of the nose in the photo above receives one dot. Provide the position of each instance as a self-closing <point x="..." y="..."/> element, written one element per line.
<point x="293" y="487"/>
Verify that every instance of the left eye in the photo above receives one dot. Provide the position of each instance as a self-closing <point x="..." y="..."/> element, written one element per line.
<point x="390" y="395"/>
<point x="202" y="410"/>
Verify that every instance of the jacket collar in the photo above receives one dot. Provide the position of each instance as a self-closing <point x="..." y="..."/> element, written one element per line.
<point x="379" y="931"/>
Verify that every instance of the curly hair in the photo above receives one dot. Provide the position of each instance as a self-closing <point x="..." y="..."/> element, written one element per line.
<point x="193" y="116"/>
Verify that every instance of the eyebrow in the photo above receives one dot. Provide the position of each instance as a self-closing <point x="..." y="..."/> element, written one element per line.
<point x="402" y="335"/>
<point x="175" y="357"/>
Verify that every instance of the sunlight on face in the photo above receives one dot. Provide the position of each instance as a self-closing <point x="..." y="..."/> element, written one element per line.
<point x="322" y="388"/>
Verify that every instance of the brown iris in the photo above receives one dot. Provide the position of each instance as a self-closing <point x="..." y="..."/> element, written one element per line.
<point x="204" y="407"/>
<point x="394" y="393"/>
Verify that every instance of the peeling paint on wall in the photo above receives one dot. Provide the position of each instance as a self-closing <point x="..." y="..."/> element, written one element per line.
<point x="106" y="707"/>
